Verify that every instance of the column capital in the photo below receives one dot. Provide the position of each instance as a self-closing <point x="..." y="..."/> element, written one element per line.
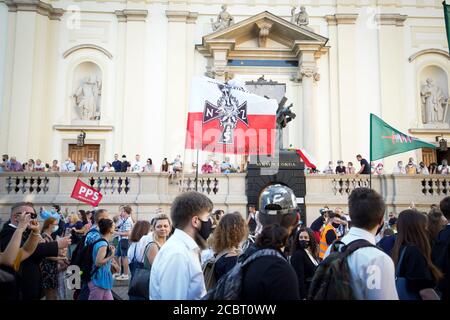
<point x="181" y="16"/>
<point x="37" y="6"/>
<point x="131" y="15"/>
<point x="341" y="18"/>
<point x="388" y="19"/>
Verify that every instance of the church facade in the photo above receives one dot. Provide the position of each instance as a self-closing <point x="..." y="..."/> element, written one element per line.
<point x="121" y="71"/>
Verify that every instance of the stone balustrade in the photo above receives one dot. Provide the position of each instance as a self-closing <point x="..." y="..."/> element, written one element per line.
<point x="146" y="192"/>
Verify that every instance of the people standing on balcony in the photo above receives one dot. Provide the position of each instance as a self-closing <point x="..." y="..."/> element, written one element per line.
<point x="149" y="167"/>
<point x="177" y="165"/>
<point x="216" y="167"/>
<point x="176" y="271"/>
<point x="412" y="258"/>
<point x="124" y="226"/>
<point x="372" y="167"/>
<point x="206" y="167"/>
<point x="350" y="168"/>
<point x="379" y="169"/>
<point x="165" y="165"/>
<point x="433" y="168"/>
<point x="304" y="259"/>
<point x="226" y="166"/>
<point x="329" y="169"/>
<point x="340" y="169"/>
<point x="422" y="169"/>
<point x="54" y="167"/>
<point x="399" y="168"/>
<point x="82" y="165"/>
<point x="39" y="166"/>
<point x="137" y="166"/>
<point x="108" y="168"/>
<point x="117" y="164"/>
<point x="329" y="233"/>
<point x="68" y="166"/>
<point x="411" y="167"/>
<point x="89" y="166"/>
<point x="444" y="168"/>
<point x="125" y="164"/>
<point x="365" y="167"/>
<point x="29" y="167"/>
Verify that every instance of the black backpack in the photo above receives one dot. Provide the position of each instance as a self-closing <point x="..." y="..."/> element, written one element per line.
<point x="331" y="280"/>
<point x="82" y="257"/>
<point x="229" y="286"/>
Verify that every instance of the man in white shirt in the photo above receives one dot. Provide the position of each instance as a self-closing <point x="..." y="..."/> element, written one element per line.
<point x="68" y="166"/>
<point x="90" y="166"/>
<point x="137" y="165"/>
<point x="372" y="272"/>
<point x="399" y="168"/>
<point x="176" y="271"/>
<point x="329" y="169"/>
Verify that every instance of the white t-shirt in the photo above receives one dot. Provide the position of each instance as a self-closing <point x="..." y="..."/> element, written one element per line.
<point x="124" y="226"/>
<point x="137" y="166"/>
<point x="140" y="247"/>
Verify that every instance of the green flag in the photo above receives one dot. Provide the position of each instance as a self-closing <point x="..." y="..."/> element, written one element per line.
<point x="447" y="21"/>
<point x="386" y="141"/>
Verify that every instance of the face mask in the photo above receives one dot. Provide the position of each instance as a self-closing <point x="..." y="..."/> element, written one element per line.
<point x="303" y="244"/>
<point x="205" y="229"/>
<point x="55" y="228"/>
<point x="336" y="225"/>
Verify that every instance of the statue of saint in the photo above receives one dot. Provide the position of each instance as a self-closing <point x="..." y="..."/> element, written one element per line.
<point x="224" y="20"/>
<point x="87" y="97"/>
<point x="434" y="103"/>
<point x="301" y="19"/>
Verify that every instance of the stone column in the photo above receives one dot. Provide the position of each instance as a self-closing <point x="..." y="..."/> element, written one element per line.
<point x="27" y="99"/>
<point x="308" y="74"/>
<point x="392" y="75"/>
<point x="342" y="86"/>
<point x="133" y="132"/>
<point x="180" y="43"/>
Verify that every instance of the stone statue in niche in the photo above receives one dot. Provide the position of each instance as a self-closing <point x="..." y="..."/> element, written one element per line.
<point x="87" y="98"/>
<point x="434" y="104"/>
<point x="224" y="20"/>
<point x="301" y="19"/>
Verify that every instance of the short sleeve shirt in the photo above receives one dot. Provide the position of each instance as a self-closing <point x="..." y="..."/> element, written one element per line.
<point x="366" y="165"/>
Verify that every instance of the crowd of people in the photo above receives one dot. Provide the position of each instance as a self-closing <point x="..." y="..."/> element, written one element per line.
<point x="10" y="164"/>
<point x="411" y="168"/>
<point x="201" y="252"/>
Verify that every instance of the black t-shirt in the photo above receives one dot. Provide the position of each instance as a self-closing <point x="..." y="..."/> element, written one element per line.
<point x="125" y="165"/>
<point x="270" y="278"/>
<point x="223" y="265"/>
<point x="415" y="268"/>
<point x="366" y="165"/>
<point x="340" y="169"/>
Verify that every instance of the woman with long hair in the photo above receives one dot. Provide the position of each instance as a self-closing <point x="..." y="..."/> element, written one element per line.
<point x="227" y="237"/>
<point x="436" y="222"/>
<point x="412" y="255"/>
<point x="304" y="259"/>
<point x="49" y="266"/>
<point x="140" y="229"/>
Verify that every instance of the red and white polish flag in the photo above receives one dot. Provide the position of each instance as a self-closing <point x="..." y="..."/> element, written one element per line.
<point x="227" y="119"/>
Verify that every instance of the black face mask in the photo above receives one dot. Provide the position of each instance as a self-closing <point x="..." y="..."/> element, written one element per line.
<point x="303" y="244"/>
<point x="205" y="229"/>
<point x="335" y="225"/>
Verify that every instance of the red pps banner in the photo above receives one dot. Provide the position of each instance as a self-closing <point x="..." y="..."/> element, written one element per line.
<point x="83" y="192"/>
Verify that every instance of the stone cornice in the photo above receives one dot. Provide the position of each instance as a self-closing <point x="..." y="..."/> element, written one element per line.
<point x="37" y="6"/>
<point x="181" y="16"/>
<point x="341" y="18"/>
<point x="131" y="15"/>
<point x="388" y="19"/>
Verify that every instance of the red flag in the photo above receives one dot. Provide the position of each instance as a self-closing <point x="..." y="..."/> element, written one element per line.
<point x="227" y="119"/>
<point x="87" y="194"/>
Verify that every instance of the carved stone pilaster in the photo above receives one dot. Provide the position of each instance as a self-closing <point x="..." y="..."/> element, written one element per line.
<point x="131" y="15"/>
<point x="37" y="6"/>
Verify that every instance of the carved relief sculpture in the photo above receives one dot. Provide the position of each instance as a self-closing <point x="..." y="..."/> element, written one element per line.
<point x="434" y="103"/>
<point x="87" y="98"/>
<point x="224" y="20"/>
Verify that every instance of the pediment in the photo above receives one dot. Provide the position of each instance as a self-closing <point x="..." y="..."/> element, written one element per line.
<point x="264" y="32"/>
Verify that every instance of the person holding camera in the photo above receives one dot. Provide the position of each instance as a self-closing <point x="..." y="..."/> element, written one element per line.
<point x="31" y="277"/>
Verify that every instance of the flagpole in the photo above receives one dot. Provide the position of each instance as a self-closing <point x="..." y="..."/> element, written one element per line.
<point x="196" y="172"/>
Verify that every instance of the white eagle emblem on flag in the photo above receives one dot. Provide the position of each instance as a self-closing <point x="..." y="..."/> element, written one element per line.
<point x="228" y="111"/>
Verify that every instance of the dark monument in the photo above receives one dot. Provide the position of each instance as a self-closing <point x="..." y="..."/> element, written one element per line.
<point x="286" y="167"/>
